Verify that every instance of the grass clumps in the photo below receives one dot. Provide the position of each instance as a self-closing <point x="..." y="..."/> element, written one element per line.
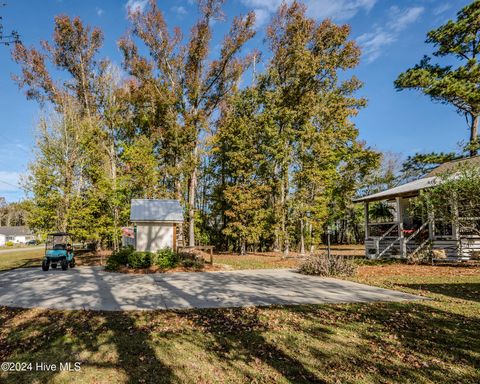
<point x="324" y="265"/>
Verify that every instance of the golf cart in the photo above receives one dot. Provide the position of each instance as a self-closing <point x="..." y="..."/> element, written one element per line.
<point x="58" y="250"/>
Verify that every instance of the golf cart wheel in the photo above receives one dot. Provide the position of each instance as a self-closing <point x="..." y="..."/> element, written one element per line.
<point x="45" y="265"/>
<point x="64" y="264"/>
<point x="72" y="263"/>
<point x="54" y="265"/>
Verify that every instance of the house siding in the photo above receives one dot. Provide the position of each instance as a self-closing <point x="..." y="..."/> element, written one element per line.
<point x="154" y="236"/>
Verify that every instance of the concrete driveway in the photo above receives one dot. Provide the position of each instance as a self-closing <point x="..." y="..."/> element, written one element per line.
<point x="93" y="288"/>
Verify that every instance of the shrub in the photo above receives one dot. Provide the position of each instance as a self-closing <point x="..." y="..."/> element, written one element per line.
<point x="166" y="258"/>
<point x="322" y="265"/>
<point x="9" y="243"/>
<point x="112" y="264"/>
<point x="190" y="260"/>
<point x="140" y="259"/>
<point x="119" y="258"/>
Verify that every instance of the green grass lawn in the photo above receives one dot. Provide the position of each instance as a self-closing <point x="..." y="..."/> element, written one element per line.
<point x="432" y="341"/>
<point x="21" y="258"/>
<point x="254" y="261"/>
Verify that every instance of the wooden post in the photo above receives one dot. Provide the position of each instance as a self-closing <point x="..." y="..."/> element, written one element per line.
<point x="174" y="237"/>
<point x="431" y="225"/>
<point x="455" y="226"/>
<point x="403" y="246"/>
<point x="367" y="221"/>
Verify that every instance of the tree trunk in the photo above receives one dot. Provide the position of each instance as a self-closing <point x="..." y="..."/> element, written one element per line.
<point x="113" y="170"/>
<point x="474" y="135"/>
<point x="302" y="238"/>
<point x="242" y="246"/>
<point x="310" y="235"/>
<point x="191" y="201"/>
<point x="284" y="206"/>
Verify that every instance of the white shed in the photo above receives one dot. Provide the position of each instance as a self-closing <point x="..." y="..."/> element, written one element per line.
<point x="155" y="223"/>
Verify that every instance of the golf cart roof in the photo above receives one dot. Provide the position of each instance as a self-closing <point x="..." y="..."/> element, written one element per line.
<point x="59" y="234"/>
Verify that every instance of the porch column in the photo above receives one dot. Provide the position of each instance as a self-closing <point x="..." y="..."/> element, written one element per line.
<point x="403" y="248"/>
<point x="431" y="225"/>
<point x="455" y="228"/>
<point x="367" y="220"/>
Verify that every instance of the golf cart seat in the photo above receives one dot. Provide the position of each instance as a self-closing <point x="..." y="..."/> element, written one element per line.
<point x="59" y="247"/>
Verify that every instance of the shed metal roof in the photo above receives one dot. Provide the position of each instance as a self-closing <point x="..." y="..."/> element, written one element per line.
<point x="156" y="210"/>
<point x="405" y="189"/>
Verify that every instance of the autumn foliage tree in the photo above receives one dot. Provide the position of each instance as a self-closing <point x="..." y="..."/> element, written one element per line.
<point x="187" y="87"/>
<point x="266" y="164"/>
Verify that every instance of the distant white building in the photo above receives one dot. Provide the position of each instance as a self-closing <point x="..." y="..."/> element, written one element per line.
<point x="155" y="223"/>
<point x="16" y="235"/>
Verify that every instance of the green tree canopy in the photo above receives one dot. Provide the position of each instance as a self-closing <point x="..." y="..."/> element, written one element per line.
<point x="455" y="85"/>
<point x="420" y="164"/>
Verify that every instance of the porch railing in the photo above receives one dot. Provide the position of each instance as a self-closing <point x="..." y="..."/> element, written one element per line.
<point x="413" y="236"/>
<point x="377" y="241"/>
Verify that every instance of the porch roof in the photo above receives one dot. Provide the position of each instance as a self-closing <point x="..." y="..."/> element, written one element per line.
<point x="408" y="189"/>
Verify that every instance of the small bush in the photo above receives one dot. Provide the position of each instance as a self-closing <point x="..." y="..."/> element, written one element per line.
<point x="191" y="260"/>
<point x="140" y="259"/>
<point x="166" y="258"/>
<point x="119" y="258"/>
<point x="112" y="264"/>
<point x="9" y="243"/>
<point x="192" y="263"/>
<point x="322" y="265"/>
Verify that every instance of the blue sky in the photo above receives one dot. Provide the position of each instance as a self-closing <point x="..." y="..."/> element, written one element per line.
<point x="391" y="34"/>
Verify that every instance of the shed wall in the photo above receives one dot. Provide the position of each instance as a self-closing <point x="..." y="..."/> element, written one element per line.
<point x="154" y="236"/>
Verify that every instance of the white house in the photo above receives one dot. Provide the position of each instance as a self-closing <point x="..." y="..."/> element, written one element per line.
<point x="155" y="223"/>
<point x="405" y="232"/>
<point x="16" y="235"/>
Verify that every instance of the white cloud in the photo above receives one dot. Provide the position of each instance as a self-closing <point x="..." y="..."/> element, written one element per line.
<point x="339" y="9"/>
<point x="136" y="5"/>
<point x="402" y="19"/>
<point x="179" y="10"/>
<point x="9" y="181"/>
<point x="261" y="17"/>
<point x="374" y="43"/>
<point x="318" y="9"/>
<point x="100" y="11"/>
<point x="441" y="9"/>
